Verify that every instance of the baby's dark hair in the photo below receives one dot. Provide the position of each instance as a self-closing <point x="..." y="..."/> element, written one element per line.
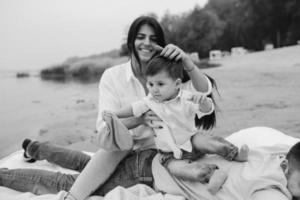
<point x="160" y="63"/>
<point x="293" y="156"/>
<point x="175" y="70"/>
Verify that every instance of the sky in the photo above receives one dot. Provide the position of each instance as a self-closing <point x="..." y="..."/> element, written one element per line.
<point x="35" y="34"/>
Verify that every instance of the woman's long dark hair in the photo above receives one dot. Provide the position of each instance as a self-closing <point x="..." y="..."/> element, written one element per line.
<point x="134" y="29"/>
<point x="208" y="121"/>
<point x="205" y="122"/>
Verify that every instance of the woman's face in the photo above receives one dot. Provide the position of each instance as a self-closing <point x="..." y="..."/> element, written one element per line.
<point x="144" y="41"/>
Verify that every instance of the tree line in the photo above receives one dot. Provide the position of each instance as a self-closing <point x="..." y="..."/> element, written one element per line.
<point x="223" y="24"/>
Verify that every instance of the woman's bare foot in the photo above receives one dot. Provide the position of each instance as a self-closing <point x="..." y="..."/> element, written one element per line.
<point x="242" y="154"/>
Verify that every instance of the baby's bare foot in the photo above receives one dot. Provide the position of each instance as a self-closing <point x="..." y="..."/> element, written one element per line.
<point x="243" y="153"/>
<point x="217" y="180"/>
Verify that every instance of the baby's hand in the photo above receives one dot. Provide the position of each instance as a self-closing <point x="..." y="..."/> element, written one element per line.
<point x="197" y="98"/>
<point x="204" y="103"/>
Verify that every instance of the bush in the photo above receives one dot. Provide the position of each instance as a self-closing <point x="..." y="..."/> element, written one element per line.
<point x="57" y="72"/>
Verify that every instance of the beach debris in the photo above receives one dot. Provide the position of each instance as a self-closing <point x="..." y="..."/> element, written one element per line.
<point x="215" y="55"/>
<point x="80" y="101"/>
<point x="43" y="131"/>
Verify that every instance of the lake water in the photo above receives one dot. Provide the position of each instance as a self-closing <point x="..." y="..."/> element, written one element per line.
<point x="28" y="103"/>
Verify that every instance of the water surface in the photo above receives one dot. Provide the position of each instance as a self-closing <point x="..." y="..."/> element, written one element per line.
<point x="26" y="104"/>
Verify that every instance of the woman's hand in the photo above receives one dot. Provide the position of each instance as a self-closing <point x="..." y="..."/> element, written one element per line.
<point x="149" y="118"/>
<point x="172" y="51"/>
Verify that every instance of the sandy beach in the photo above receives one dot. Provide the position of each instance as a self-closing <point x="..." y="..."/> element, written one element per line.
<point x="257" y="89"/>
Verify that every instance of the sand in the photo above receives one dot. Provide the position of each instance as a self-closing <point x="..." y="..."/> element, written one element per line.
<point x="257" y="89"/>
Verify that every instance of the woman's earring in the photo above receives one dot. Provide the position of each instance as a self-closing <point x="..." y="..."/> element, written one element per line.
<point x="285" y="166"/>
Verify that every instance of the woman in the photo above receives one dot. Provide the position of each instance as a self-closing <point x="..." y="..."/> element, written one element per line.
<point x="119" y="86"/>
<point x="123" y="84"/>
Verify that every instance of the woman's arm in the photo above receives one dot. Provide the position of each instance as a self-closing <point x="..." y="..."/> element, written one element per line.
<point x="110" y="100"/>
<point x="136" y="109"/>
<point x="146" y="119"/>
<point x="143" y="116"/>
<point x="124" y="112"/>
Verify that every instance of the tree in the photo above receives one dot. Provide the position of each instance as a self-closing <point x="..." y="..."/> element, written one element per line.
<point x="238" y="22"/>
<point x="253" y="23"/>
<point x="197" y="31"/>
<point x="292" y="7"/>
<point x="172" y="25"/>
<point x="124" y="50"/>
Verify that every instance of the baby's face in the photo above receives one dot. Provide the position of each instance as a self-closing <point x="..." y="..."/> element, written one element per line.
<point x="162" y="87"/>
<point x="293" y="185"/>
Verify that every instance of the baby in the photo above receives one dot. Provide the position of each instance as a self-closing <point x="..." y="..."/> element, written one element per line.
<point x="174" y="106"/>
<point x="177" y="108"/>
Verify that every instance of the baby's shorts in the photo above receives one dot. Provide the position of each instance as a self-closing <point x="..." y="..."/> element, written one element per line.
<point x="166" y="157"/>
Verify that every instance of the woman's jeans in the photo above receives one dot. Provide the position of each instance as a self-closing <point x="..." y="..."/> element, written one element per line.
<point x="134" y="169"/>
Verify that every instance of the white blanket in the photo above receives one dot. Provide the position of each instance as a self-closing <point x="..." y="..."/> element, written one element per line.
<point x="254" y="137"/>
